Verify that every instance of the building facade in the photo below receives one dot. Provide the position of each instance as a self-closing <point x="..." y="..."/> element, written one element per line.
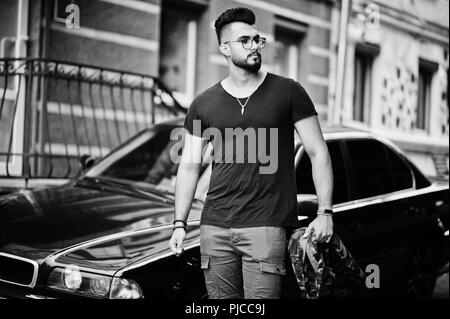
<point x="171" y="40"/>
<point x="175" y="40"/>
<point x="386" y="70"/>
<point x="396" y="76"/>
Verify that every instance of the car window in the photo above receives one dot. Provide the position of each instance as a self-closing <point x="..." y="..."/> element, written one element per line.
<point x="305" y="183"/>
<point x="149" y="162"/>
<point x="401" y="174"/>
<point x="370" y="168"/>
<point x="419" y="177"/>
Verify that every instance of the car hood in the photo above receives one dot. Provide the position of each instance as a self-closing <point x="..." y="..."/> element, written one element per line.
<point x="96" y="228"/>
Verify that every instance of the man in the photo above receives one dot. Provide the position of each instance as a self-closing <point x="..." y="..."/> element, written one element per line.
<point x="247" y="211"/>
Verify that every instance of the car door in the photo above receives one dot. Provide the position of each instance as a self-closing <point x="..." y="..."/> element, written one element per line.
<point x="346" y="225"/>
<point x="306" y="192"/>
<point x="307" y="198"/>
<point x="379" y="223"/>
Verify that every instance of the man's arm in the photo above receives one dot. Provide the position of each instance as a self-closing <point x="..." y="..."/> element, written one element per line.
<point x="185" y="186"/>
<point x="187" y="175"/>
<point x="316" y="147"/>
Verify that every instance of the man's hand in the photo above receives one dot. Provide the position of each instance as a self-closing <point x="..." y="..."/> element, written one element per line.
<point x="176" y="242"/>
<point x="323" y="228"/>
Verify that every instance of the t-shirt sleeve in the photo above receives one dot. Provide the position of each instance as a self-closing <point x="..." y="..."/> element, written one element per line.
<point x="301" y="104"/>
<point x="193" y="122"/>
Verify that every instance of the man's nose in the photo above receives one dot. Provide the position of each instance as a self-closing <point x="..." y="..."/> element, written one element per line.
<point x="255" y="44"/>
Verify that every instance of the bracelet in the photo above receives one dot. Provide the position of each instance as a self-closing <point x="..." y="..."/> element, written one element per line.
<point x="184" y="227"/>
<point x="319" y="213"/>
<point x="325" y="211"/>
<point x="180" y="220"/>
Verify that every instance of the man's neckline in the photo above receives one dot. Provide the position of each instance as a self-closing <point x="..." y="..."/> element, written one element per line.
<point x="260" y="85"/>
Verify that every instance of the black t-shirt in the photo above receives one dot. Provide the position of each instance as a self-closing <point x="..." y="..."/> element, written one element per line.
<point x="239" y="194"/>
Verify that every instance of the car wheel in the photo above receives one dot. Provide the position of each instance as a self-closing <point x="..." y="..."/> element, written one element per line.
<point x="422" y="273"/>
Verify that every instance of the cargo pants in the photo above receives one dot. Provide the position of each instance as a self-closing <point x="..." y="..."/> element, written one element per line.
<point x="243" y="262"/>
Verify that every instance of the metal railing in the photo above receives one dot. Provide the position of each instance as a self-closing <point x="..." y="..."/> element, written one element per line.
<point x="53" y="112"/>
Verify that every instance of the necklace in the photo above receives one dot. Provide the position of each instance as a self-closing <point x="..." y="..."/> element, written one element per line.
<point x="246" y="101"/>
<point x="243" y="105"/>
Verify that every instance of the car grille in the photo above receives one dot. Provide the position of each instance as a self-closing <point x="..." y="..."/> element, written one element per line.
<point x="18" y="270"/>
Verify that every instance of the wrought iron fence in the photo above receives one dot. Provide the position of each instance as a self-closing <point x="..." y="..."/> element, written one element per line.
<point x="53" y="112"/>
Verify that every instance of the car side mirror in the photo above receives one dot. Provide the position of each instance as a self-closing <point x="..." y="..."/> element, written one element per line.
<point x="86" y="161"/>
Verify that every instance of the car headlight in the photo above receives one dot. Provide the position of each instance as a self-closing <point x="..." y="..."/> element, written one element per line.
<point x="125" y="289"/>
<point x="71" y="279"/>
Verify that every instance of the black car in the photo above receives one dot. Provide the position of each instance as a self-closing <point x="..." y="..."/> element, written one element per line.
<point x="106" y="233"/>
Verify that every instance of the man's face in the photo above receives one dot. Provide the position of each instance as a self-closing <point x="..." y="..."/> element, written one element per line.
<point x="247" y="59"/>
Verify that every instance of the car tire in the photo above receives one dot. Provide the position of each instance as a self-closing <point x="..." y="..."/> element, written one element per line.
<point x="422" y="272"/>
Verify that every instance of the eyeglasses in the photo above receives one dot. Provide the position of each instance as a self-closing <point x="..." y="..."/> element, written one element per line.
<point x="247" y="42"/>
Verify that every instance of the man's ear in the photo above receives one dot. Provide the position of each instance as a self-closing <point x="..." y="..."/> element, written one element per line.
<point x="225" y="50"/>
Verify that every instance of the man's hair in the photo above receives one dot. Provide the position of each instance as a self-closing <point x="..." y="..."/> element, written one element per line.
<point x="233" y="15"/>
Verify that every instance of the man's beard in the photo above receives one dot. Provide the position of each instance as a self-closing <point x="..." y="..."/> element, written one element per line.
<point x="244" y="64"/>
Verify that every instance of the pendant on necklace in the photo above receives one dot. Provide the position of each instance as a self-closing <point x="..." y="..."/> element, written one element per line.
<point x="243" y="105"/>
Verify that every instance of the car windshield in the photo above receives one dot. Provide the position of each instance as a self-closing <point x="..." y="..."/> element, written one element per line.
<point x="146" y="158"/>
